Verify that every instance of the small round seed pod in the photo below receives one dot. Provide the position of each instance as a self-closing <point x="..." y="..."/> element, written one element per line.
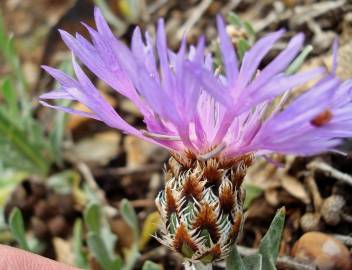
<point x="331" y="209"/>
<point x="311" y="222"/>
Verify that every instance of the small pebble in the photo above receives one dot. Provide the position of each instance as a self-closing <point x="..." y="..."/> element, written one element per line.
<point x="326" y="252"/>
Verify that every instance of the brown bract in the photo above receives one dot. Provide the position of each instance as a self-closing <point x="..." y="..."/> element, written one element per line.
<point x="182" y="238"/>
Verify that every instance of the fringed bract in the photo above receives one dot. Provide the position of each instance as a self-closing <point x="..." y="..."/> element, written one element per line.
<point x="201" y="205"/>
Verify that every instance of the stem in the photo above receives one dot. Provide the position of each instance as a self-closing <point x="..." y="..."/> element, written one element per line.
<point x="197" y="266"/>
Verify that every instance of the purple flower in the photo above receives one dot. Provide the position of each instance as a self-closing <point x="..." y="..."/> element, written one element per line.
<point x="189" y="107"/>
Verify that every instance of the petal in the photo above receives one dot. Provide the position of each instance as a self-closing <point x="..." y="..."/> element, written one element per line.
<point x="70" y="111"/>
<point x="227" y="51"/>
<point x="254" y="56"/>
<point x="279" y="64"/>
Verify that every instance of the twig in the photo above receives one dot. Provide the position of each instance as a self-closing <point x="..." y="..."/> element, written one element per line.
<point x="310" y="12"/>
<point x="195" y="15"/>
<point x="231" y="6"/>
<point x="313" y="189"/>
<point x="88" y="177"/>
<point x="139" y="203"/>
<point x="330" y="171"/>
<point x="286" y="262"/>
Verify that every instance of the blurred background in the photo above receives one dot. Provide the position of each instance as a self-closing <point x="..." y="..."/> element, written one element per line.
<point x="75" y="190"/>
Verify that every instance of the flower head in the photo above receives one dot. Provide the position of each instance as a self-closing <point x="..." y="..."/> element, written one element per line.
<point x="189" y="107"/>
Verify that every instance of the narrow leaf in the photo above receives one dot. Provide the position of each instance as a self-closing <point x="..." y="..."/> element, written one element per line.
<point x="92" y="218"/>
<point x="249" y="29"/>
<point x="253" y="262"/>
<point x="270" y="243"/>
<point x="242" y="47"/>
<point x="17" y="228"/>
<point x="234" y="19"/>
<point x="297" y="63"/>
<point x="148" y="265"/>
<point x="129" y="215"/>
<point x="10" y="97"/>
<point x="234" y="260"/>
<point x="79" y="256"/>
<point x="101" y="254"/>
<point x="252" y="192"/>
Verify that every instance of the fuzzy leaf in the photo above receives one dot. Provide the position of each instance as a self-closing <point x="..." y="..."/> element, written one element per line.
<point x="101" y="254"/>
<point x="252" y="192"/>
<point x="148" y="265"/>
<point x="79" y="255"/>
<point x="92" y="218"/>
<point x="242" y="46"/>
<point x="234" y="260"/>
<point x="234" y="19"/>
<point x="270" y="243"/>
<point x="254" y="262"/>
<point x="17" y="228"/>
<point x="129" y="215"/>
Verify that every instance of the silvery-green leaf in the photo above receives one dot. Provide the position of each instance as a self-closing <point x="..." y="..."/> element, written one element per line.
<point x="101" y="254"/>
<point x="17" y="228"/>
<point x="234" y="260"/>
<point x="270" y="243"/>
<point x="148" y="265"/>
<point x="253" y="262"/>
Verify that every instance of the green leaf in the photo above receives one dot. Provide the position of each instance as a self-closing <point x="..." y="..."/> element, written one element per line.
<point x="270" y="243"/>
<point x="129" y="215"/>
<point x="56" y="135"/>
<point x="148" y="265"/>
<point x="242" y="47"/>
<point x="249" y="29"/>
<point x="108" y="238"/>
<point x="92" y="218"/>
<point x="9" y="179"/>
<point x="79" y="256"/>
<point x="252" y="192"/>
<point x="101" y="254"/>
<point x="253" y="262"/>
<point x="234" y="260"/>
<point x="297" y="63"/>
<point x="234" y="19"/>
<point x="17" y="228"/>
<point x="17" y="139"/>
<point x="10" y="97"/>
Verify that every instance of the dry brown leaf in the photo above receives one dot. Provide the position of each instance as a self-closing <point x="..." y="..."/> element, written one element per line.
<point x="295" y="188"/>
<point x="99" y="149"/>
